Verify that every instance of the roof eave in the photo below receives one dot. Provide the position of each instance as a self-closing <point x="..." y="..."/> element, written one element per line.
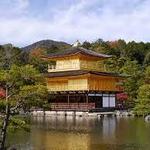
<point x="68" y="55"/>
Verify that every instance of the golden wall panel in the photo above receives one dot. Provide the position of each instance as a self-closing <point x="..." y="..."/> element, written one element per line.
<point x="103" y="83"/>
<point x="78" y="84"/>
<point x="91" y="65"/>
<point x="57" y="86"/>
<point x="65" y="65"/>
<point x="67" y="85"/>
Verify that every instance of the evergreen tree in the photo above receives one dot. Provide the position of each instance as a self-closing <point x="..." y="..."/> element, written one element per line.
<point x="9" y="55"/>
<point x="147" y="59"/>
<point x="24" y="88"/>
<point x="133" y="72"/>
<point x="142" y="106"/>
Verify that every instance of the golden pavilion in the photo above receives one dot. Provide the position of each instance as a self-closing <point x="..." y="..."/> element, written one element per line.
<point x="77" y="80"/>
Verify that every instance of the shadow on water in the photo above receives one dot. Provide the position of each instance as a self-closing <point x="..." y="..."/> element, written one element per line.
<point x="78" y="133"/>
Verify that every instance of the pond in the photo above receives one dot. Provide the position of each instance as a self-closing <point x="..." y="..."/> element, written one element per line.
<point x="78" y="133"/>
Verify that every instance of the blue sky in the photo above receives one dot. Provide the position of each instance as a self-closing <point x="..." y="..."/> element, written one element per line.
<point x="23" y="22"/>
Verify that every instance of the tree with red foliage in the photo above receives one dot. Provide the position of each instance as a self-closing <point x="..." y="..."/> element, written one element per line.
<point x="2" y="93"/>
<point x="122" y="96"/>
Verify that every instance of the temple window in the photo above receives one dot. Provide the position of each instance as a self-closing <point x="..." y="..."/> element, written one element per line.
<point x="52" y="65"/>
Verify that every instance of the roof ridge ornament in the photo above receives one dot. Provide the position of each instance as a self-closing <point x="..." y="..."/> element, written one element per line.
<point x="76" y="44"/>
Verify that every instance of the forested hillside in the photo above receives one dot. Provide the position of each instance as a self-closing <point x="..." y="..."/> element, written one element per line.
<point x="131" y="59"/>
<point x="46" y="47"/>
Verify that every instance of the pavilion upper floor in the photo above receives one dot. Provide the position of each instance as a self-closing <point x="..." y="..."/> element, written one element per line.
<point x="76" y="58"/>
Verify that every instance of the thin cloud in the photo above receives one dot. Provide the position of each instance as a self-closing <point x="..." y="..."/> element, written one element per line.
<point x="82" y="19"/>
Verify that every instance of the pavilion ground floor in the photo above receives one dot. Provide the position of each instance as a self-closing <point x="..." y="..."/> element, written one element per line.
<point x="83" y="100"/>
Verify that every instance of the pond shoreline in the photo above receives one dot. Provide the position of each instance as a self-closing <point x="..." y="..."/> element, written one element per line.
<point x="83" y="114"/>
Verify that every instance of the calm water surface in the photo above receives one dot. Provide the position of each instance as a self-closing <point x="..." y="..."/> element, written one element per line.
<point x="69" y="133"/>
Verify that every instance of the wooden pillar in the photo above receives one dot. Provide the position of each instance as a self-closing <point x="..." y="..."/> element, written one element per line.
<point x="87" y="99"/>
<point x="68" y="98"/>
<point x="68" y="101"/>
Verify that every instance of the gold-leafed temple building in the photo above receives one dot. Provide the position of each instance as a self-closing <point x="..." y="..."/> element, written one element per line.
<point x="77" y="80"/>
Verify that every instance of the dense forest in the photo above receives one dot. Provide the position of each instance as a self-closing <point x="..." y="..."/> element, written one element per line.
<point x="130" y="59"/>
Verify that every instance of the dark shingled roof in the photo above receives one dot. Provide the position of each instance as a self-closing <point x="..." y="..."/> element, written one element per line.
<point x="78" y="72"/>
<point x="76" y="50"/>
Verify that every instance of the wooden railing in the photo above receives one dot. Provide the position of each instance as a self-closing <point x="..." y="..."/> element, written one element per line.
<point x="72" y="106"/>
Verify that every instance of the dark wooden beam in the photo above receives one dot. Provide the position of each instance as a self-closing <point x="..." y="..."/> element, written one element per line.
<point x="68" y="98"/>
<point x="87" y="98"/>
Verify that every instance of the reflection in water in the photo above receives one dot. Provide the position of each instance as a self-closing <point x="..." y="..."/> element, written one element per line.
<point x="109" y="127"/>
<point x="79" y="133"/>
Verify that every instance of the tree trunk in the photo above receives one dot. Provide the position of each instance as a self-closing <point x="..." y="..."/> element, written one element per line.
<point x="5" y="124"/>
<point x="4" y="128"/>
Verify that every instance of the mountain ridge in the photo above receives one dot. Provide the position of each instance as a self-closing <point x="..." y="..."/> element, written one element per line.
<point x="46" y="47"/>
